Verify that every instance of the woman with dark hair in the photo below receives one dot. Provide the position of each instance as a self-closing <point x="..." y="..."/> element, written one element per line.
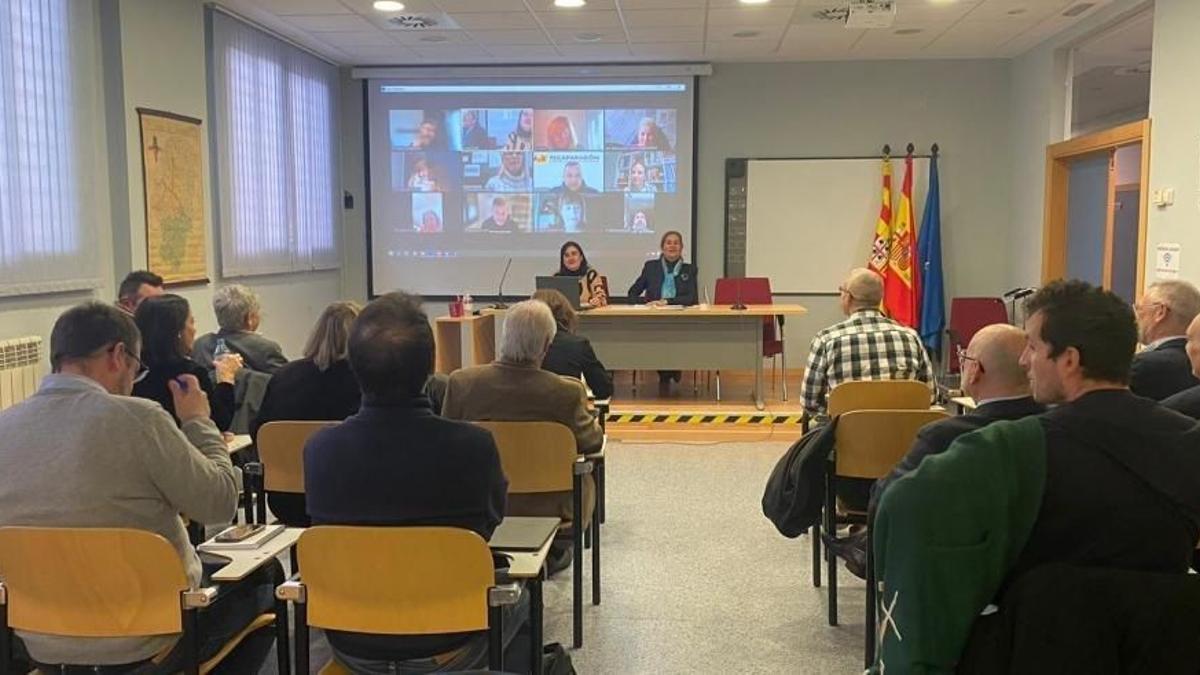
<point x="570" y="354"/>
<point x="573" y="263"/>
<point x="667" y="280"/>
<point x="168" y="334"/>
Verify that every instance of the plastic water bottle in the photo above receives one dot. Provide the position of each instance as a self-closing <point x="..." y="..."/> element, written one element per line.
<point x="468" y="304"/>
<point x="221" y="350"/>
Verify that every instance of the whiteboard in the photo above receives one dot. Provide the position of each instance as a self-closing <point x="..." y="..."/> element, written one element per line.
<point x="810" y="221"/>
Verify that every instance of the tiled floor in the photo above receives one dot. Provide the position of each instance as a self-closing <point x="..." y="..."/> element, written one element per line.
<point x="696" y="580"/>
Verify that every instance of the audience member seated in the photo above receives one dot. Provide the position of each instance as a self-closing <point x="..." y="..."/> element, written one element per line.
<point x="238" y="315"/>
<point x="1105" y="480"/>
<point x="1163" y="314"/>
<point x="82" y="452"/>
<point x="515" y="389"/>
<point x="168" y="331"/>
<point x="865" y="346"/>
<point x="993" y="376"/>
<point x="1188" y="400"/>
<point x="136" y="287"/>
<point x="570" y="354"/>
<point x="397" y="463"/>
<point x="320" y="386"/>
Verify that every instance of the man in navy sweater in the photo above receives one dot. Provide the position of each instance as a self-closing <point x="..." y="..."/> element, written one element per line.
<point x="397" y="463"/>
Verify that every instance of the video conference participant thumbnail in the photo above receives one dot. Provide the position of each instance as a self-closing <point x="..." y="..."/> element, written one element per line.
<point x="497" y="171"/>
<point x="568" y="129"/>
<point x="644" y="128"/>
<point x="640" y="171"/>
<point x="496" y="212"/>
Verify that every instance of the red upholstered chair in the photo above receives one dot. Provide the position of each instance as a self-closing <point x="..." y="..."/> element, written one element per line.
<point x="967" y="316"/>
<point x="754" y="291"/>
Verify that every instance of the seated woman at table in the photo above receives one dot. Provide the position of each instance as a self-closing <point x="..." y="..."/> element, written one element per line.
<point x="573" y="263"/>
<point x="168" y="335"/>
<point x="320" y="386"/>
<point x="667" y="280"/>
<point x="570" y="354"/>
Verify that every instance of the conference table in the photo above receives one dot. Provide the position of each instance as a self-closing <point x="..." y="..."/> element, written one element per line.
<point x="642" y="337"/>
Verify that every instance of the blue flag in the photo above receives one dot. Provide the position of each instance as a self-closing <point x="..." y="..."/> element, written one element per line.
<point x="929" y="258"/>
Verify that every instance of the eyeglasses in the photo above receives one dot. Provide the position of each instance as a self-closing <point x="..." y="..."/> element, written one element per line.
<point x="963" y="356"/>
<point x="142" y="369"/>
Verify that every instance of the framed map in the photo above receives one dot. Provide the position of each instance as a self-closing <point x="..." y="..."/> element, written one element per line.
<point x="173" y="184"/>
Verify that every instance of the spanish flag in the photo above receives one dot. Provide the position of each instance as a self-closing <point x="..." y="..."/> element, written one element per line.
<point x="883" y="227"/>
<point x="901" y="284"/>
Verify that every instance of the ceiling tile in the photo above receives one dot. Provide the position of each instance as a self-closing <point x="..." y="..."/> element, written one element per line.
<point x="395" y="54"/>
<point x="426" y="38"/>
<point x="633" y="5"/>
<point x="510" y="37"/>
<point x="591" y="6"/>
<point x="749" y="16"/>
<point x="568" y="36"/>
<point x="670" y="51"/>
<point x="454" y="53"/>
<point x="602" y="19"/>
<point x="719" y="33"/>
<point x="718" y="4"/>
<point x="814" y="39"/>
<point x="282" y="7"/>
<point x="455" y="6"/>
<point x="596" y="52"/>
<point x="364" y="7"/>
<point x="320" y="23"/>
<point x="667" y="34"/>
<point x="655" y="18"/>
<point x="494" y="20"/>
<point x="543" y="53"/>
<point x="741" y="49"/>
<point x="352" y="39"/>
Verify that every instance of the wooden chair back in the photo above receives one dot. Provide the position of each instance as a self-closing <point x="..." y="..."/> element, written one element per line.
<point x="536" y="456"/>
<point x="396" y="580"/>
<point x="281" y="451"/>
<point x="91" y="582"/>
<point x="878" y="395"/>
<point x="870" y="442"/>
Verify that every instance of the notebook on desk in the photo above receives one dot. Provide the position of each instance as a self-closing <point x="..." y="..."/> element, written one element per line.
<point x="250" y="543"/>
<point x="516" y="533"/>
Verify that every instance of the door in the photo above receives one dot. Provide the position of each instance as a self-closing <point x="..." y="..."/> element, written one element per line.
<point x="1087" y="217"/>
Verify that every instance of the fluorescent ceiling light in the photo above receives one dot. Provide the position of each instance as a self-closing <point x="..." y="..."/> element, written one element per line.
<point x="388" y="6"/>
<point x="754" y="2"/>
<point x="570" y="4"/>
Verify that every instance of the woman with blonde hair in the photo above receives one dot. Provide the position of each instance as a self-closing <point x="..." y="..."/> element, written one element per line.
<point x="318" y="387"/>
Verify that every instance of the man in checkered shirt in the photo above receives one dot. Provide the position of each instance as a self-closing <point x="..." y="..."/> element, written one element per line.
<point x="865" y="346"/>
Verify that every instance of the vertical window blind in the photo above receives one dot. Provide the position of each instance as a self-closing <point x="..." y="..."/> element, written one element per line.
<point x="47" y="234"/>
<point x="276" y="134"/>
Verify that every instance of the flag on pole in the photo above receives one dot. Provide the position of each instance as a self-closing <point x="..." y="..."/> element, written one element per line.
<point x="901" y="285"/>
<point x="883" y="226"/>
<point x="929" y="256"/>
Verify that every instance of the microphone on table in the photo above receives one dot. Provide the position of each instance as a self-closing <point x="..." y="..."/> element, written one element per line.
<point x="738" y="305"/>
<point x="500" y="290"/>
<point x="1018" y="293"/>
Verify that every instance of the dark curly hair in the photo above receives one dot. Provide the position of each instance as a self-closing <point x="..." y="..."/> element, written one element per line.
<point x="1096" y="322"/>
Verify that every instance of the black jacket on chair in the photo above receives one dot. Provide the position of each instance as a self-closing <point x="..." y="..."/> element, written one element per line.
<point x="651" y="281"/>
<point x="572" y="355"/>
<point x="1160" y="372"/>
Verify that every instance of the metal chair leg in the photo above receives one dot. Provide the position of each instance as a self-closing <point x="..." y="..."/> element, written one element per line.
<point x="595" y="528"/>
<point x="577" y="563"/>
<point x="830" y="556"/>
<point x="718" y="386"/>
<point x="869" y="627"/>
<point x="814" y="535"/>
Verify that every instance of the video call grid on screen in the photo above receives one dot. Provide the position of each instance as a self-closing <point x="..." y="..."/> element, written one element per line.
<point x="482" y="172"/>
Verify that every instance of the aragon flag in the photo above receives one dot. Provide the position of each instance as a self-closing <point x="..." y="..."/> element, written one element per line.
<point x="902" y="284"/>
<point x="883" y="226"/>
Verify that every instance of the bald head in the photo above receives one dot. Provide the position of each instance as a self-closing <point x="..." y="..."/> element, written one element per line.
<point x="997" y="349"/>
<point x="1193" y="345"/>
<point x="864" y="288"/>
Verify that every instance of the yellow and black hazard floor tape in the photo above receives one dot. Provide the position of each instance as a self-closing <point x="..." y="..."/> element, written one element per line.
<point x="702" y="418"/>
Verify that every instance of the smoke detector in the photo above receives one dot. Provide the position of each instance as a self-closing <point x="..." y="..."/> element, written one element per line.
<point x="421" y="22"/>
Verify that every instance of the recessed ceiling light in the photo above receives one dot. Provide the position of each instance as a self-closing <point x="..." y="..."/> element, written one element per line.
<point x="747" y="34"/>
<point x="907" y="31"/>
<point x="388" y="6"/>
<point x="589" y="37"/>
<point x="754" y="2"/>
<point x="1015" y="12"/>
<point x="570" y="4"/>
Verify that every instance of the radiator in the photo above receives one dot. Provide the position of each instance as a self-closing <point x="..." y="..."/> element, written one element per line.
<point x="20" y="369"/>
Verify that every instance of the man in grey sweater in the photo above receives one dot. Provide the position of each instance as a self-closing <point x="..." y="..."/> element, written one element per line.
<point x="82" y="453"/>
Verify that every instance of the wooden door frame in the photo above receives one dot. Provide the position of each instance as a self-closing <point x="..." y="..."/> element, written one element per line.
<point x="1054" y="225"/>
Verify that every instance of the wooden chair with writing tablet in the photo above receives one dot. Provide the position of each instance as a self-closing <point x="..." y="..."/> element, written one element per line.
<point x="396" y="581"/>
<point x="104" y="583"/>
<point x="541" y="457"/>
<point x="281" y="454"/>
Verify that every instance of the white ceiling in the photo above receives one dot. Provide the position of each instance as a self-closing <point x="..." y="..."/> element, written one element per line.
<point x="351" y="32"/>
<point x="1112" y="74"/>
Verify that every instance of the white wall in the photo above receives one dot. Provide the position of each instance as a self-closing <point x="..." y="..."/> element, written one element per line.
<point x="843" y="109"/>
<point x="1175" y="134"/>
<point x="154" y="57"/>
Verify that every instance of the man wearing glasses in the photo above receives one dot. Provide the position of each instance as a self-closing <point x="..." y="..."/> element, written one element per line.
<point x="81" y="452"/>
<point x="1163" y="314"/>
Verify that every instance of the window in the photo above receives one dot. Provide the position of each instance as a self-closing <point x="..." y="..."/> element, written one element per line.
<point x="276" y="146"/>
<point x="45" y="101"/>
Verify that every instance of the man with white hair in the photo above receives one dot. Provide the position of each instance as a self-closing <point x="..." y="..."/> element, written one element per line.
<point x="1163" y="314"/>
<point x="238" y="314"/>
<point x="865" y="346"/>
<point x="514" y="388"/>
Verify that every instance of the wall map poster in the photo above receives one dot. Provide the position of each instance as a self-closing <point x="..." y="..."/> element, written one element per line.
<point x="173" y="184"/>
